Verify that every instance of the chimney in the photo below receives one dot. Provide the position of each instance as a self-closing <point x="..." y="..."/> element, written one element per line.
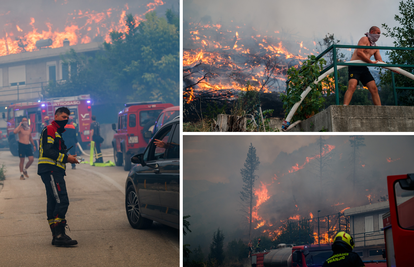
<point x="66" y="42"/>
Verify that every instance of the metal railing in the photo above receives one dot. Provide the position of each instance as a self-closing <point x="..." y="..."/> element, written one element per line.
<point x="336" y="63"/>
<point x="369" y="238"/>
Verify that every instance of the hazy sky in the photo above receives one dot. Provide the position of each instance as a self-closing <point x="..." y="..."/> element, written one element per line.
<point x="312" y="19"/>
<point x="289" y="172"/>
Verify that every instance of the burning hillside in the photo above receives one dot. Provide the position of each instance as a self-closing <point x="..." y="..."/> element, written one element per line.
<point x="79" y="26"/>
<point x="218" y="58"/>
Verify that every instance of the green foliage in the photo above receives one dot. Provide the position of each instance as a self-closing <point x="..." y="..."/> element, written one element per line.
<point x="2" y="173"/>
<point x="214" y="110"/>
<point x="141" y="64"/>
<point x="216" y="255"/>
<point x="294" y="232"/>
<point x="403" y="37"/>
<point x="300" y="79"/>
<point x="327" y="42"/>
<point x="237" y="250"/>
<point x="186" y="247"/>
<point x="248" y="102"/>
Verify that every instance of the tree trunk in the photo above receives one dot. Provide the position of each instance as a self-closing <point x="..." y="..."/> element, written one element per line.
<point x="230" y="123"/>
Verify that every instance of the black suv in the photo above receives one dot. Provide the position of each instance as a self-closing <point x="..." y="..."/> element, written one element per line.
<point x="153" y="184"/>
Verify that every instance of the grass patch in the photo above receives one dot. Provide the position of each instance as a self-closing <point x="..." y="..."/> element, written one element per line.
<point x="2" y="173"/>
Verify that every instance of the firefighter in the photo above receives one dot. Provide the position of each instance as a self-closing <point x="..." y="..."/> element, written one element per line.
<point x="258" y="245"/>
<point x="47" y="122"/>
<point x="51" y="168"/>
<point x="342" y="252"/>
<point x="70" y="139"/>
<point x="95" y="135"/>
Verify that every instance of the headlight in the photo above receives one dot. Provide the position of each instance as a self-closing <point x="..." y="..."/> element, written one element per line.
<point x="133" y="139"/>
<point x="86" y="132"/>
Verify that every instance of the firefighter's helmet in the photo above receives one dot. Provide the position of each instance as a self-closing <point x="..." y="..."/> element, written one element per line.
<point x="345" y="239"/>
<point x="46" y="118"/>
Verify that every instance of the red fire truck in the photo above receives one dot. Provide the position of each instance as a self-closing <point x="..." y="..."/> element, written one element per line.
<point x="134" y="130"/>
<point x="399" y="221"/>
<point x="299" y="256"/>
<point x="79" y="106"/>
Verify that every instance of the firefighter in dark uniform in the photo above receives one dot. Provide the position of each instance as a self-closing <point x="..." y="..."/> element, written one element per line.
<point x="51" y="168"/>
<point x="342" y="252"/>
<point x="95" y="136"/>
<point x="69" y="136"/>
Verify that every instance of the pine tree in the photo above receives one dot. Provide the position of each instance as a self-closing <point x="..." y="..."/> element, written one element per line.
<point x="216" y="255"/>
<point x="250" y="166"/>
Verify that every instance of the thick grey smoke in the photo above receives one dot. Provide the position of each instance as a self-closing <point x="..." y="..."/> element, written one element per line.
<point x="212" y="180"/>
<point x="348" y="20"/>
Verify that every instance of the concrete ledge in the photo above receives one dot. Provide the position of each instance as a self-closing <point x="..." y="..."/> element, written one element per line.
<point x="360" y="119"/>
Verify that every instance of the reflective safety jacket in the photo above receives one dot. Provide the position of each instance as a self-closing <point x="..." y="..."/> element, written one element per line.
<point x="52" y="149"/>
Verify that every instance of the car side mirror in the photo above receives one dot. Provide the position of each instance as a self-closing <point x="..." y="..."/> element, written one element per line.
<point x="147" y="134"/>
<point x="138" y="159"/>
<point x="114" y="127"/>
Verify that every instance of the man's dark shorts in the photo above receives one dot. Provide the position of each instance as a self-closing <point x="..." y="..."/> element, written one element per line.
<point x="360" y="74"/>
<point x="25" y="150"/>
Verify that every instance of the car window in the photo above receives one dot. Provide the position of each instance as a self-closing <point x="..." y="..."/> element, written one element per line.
<point x="170" y="115"/>
<point x="132" y="120"/>
<point x="159" y="122"/>
<point x="173" y="148"/>
<point x="154" y="152"/>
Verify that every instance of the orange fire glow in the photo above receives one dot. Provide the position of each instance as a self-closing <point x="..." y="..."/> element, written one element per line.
<point x="392" y="160"/>
<point x="83" y="27"/>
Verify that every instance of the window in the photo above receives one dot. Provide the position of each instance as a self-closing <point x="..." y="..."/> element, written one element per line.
<point x="405" y="203"/>
<point x="65" y="71"/>
<point x="173" y="148"/>
<point x="51" y="71"/>
<point x="132" y="120"/>
<point x="360" y="253"/>
<point x="369" y="224"/>
<point x="154" y="152"/>
<point x="159" y="122"/>
<point x="380" y="222"/>
<point x="10" y="114"/>
<point x="124" y="121"/>
<point x="375" y="252"/>
<point x="17" y="75"/>
<point x="147" y="118"/>
<point x="73" y="68"/>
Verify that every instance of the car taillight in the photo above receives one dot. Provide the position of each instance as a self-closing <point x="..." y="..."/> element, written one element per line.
<point x="133" y="139"/>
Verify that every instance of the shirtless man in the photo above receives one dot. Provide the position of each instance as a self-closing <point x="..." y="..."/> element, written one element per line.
<point x="25" y="150"/>
<point x="359" y="73"/>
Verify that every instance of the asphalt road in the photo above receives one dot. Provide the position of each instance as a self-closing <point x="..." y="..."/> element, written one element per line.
<point x="96" y="218"/>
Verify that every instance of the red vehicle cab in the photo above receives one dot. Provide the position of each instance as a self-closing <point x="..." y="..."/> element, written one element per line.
<point x="165" y="116"/>
<point x="134" y="130"/>
<point x="399" y="222"/>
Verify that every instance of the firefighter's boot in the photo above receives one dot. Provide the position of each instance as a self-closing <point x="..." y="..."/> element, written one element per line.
<point x="52" y="226"/>
<point x="61" y="238"/>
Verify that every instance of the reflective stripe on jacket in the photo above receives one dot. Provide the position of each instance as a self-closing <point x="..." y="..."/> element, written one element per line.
<point x="52" y="149"/>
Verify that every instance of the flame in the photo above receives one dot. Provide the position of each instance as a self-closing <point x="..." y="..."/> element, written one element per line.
<point x="81" y="27"/>
<point x="392" y="160"/>
<point x="345" y="209"/>
<point x="297" y="217"/>
<point x="326" y="149"/>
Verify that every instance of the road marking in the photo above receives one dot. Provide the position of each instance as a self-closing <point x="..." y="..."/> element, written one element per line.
<point x="109" y="179"/>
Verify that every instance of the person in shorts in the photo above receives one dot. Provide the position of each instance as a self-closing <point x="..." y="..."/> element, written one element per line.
<point x="361" y="73"/>
<point x="26" y="146"/>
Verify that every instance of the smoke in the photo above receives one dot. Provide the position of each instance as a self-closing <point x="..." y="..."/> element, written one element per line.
<point x="298" y="19"/>
<point x="214" y="201"/>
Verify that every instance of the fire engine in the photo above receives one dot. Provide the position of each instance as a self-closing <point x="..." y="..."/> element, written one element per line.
<point x="135" y="124"/>
<point x="299" y="256"/>
<point x="79" y="106"/>
<point x="399" y="221"/>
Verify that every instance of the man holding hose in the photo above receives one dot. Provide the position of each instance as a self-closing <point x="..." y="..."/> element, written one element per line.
<point x="361" y="73"/>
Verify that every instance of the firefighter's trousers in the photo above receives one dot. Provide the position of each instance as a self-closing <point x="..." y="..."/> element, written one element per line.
<point x="98" y="153"/>
<point x="57" y="196"/>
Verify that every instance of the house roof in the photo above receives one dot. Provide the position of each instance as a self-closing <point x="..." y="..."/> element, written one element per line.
<point x="367" y="208"/>
<point x="49" y="52"/>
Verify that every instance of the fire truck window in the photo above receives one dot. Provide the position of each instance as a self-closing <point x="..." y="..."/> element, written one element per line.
<point x="405" y="207"/>
<point x="10" y="114"/>
<point x="148" y="117"/>
<point x="119" y="123"/>
<point x="19" y="113"/>
<point x="124" y="121"/>
<point x="132" y="120"/>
